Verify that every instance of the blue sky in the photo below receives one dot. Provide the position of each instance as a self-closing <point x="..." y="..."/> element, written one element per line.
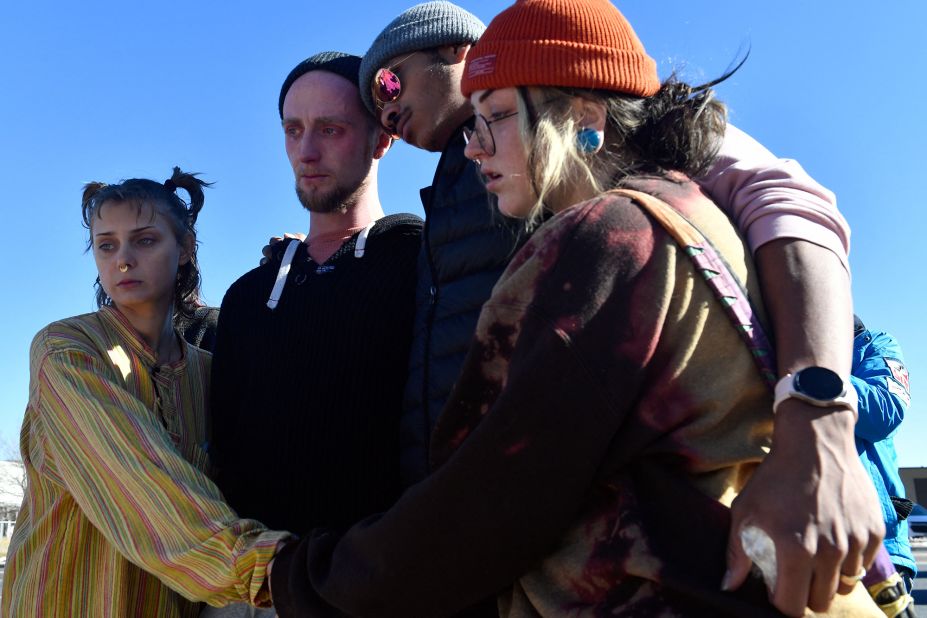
<point x="110" y="90"/>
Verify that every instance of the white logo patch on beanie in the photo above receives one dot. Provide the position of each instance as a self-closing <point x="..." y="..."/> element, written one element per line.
<point x="484" y="65"/>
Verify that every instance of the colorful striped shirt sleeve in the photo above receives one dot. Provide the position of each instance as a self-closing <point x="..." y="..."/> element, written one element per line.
<point x="118" y="463"/>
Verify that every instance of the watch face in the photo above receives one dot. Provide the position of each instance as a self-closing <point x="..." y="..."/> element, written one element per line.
<point x="819" y="383"/>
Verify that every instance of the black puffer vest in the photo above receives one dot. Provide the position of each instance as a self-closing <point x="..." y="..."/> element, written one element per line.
<point x="466" y="244"/>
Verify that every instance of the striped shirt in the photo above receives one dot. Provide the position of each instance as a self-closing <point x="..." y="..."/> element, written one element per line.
<point x="118" y="510"/>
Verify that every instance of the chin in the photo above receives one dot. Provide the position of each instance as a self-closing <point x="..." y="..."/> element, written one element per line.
<point x="517" y="209"/>
<point x="416" y="141"/>
<point x="427" y="140"/>
<point x="127" y="301"/>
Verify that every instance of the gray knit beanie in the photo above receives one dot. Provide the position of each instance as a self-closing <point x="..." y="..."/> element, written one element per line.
<point x="335" y="62"/>
<point x="424" y="26"/>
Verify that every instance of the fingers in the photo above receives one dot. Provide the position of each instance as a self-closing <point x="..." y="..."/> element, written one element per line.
<point x="738" y="564"/>
<point x="828" y="563"/>
<point x="816" y="576"/>
<point x="808" y="570"/>
<point x="847" y="582"/>
<point x="793" y="579"/>
<point x="873" y="545"/>
<point x="853" y="567"/>
<point x="268" y="250"/>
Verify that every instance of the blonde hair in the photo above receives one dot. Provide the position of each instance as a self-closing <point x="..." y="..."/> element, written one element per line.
<point x="679" y="128"/>
<point x="554" y="162"/>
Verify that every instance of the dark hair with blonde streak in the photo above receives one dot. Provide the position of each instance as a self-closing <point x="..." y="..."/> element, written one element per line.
<point x="180" y="214"/>
<point x="678" y="128"/>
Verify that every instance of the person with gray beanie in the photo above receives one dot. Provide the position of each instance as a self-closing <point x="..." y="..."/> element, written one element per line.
<point x="466" y="243"/>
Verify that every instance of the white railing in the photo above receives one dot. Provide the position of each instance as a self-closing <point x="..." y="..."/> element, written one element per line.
<point x="6" y="528"/>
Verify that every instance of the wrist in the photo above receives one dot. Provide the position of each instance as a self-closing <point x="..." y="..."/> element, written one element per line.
<point x="817" y="386"/>
<point x="801" y="425"/>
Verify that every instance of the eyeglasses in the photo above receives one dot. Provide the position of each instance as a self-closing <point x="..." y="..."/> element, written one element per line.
<point x="386" y="86"/>
<point x="483" y="131"/>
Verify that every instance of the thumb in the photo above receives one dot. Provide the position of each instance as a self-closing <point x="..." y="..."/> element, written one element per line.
<point x="738" y="563"/>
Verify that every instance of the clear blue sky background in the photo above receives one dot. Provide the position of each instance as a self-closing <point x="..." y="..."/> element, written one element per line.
<point x="110" y="90"/>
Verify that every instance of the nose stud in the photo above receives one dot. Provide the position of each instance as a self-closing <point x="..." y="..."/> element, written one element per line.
<point x="124" y="268"/>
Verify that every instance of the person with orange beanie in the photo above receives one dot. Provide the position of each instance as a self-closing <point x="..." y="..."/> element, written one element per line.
<point x="618" y="393"/>
<point x="828" y="523"/>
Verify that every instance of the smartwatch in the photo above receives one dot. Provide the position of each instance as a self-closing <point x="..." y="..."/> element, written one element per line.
<point x="818" y="386"/>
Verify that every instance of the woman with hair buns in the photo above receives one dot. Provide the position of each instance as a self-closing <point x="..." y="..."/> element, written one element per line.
<point x="119" y="518"/>
<point x="617" y="395"/>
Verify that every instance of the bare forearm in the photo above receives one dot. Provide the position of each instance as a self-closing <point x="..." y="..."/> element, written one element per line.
<point x="827" y="523"/>
<point x="807" y="292"/>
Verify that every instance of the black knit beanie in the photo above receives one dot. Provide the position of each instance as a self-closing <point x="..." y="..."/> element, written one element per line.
<point x="339" y="63"/>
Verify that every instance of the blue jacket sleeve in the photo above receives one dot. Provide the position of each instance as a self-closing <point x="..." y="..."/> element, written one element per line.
<point x="881" y="382"/>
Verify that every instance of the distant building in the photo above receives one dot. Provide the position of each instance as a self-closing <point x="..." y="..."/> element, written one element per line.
<point x="12" y="486"/>
<point x="915" y="484"/>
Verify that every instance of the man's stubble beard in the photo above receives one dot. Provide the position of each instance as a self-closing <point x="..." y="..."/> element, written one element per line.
<point x="340" y="199"/>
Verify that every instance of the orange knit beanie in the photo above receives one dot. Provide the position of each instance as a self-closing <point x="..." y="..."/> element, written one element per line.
<point x="568" y="43"/>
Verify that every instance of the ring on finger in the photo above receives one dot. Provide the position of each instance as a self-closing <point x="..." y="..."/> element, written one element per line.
<point x="850" y="580"/>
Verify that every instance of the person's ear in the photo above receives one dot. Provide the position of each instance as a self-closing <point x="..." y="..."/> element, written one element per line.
<point x="453" y="54"/>
<point x="590" y="114"/>
<point x="382" y="146"/>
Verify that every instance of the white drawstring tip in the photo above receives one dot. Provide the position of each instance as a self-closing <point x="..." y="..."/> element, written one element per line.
<point x="282" y="273"/>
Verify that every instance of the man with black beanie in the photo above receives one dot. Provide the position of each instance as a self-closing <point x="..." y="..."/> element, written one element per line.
<point x="311" y="347"/>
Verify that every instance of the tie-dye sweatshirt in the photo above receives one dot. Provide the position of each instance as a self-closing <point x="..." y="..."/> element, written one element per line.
<point x="605" y="418"/>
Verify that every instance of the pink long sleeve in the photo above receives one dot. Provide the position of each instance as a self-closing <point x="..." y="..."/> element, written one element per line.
<point x="770" y="198"/>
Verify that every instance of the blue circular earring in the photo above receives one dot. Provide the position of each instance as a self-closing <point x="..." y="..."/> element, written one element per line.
<point x="589" y="140"/>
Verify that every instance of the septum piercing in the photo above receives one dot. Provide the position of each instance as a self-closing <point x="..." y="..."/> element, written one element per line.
<point x="124" y="268"/>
